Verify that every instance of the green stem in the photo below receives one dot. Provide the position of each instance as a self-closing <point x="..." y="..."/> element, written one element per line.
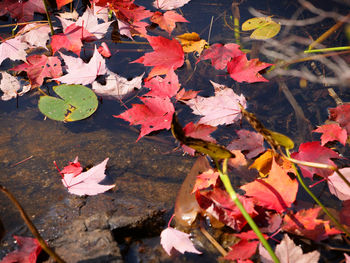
<point x="327" y="49"/>
<point x="236" y="27"/>
<point x="226" y="181"/>
<point x="334" y="220"/>
<point x="48" y="17"/>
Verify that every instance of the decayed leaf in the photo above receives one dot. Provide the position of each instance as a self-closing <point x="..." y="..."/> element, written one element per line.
<point x="278" y="191"/>
<point x="341" y="114"/>
<point x="191" y="42"/>
<point x="332" y="132"/>
<point x="87" y="183"/>
<point x="167" y="87"/>
<point x="39" y="67"/>
<point x="169" y="4"/>
<point x="252" y="143"/>
<point x="314" y="152"/>
<point x="9" y="85"/>
<point x="288" y="252"/>
<point x="167" y="20"/>
<point x="337" y="186"/>
<point x="220" y="54"/>
<point x="35" y="34"/>
<point x="171" y="238"/>
<point x="223" y="108"/>
<point x="167" y="55"/>
<point x="241" y="69"/>
<point x="13" y="49"/>
<point x="305" y="223"/>
<point x="79" y="72"/>
<point x="117" y="87"/>
<point x="29" y="249"/>
<point x="155" y="114"/>
<point x="20" y="10"/>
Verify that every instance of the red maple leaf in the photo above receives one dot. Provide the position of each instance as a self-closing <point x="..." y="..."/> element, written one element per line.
<point x="332" y="132"/>
<point x="184" y="95"/>
<point x="167" y="55"/>
<point x="39" y="67"/>
<point x="341" y="114"/>
<point x="155" y="114"/>
<point x="241" y="69"/>
<point x="344" y="214"/>
<point x="71" y="39"/>
<point x="314" y="152"/>
<point x="167" y="20"/>
<point x="305" y="223"/>
<point x="252" y="143"/>
<point x="278" y="191"/>
<point x="22" y="11"/>
<point x="163" y="88"/>
<point x="205" y="180"/>
<point x="244" y="249"/>
<point x="29" y="249"/>
<point x="219" y="204"/>
<point x="220" y="54"/>
<point x="199" y="131"/>
<point x="61" y="3"/>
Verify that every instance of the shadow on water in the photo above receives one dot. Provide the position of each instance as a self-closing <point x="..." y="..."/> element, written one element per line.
<point x="147" y="173"/>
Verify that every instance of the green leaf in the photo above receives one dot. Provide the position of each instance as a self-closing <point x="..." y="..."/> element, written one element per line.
<point x="76" y="102"/>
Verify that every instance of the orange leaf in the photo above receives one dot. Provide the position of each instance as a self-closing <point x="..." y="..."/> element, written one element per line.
<point x="191" y="42"/>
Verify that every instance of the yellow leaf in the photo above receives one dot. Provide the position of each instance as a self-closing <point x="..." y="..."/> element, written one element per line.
<point x="264" y="27"/>
<point x="191" y="42"/>
<point x="263" y="163"/>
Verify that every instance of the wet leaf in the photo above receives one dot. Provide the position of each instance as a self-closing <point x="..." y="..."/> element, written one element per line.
<point x="337" y="186"/>
<point x="75" y="102"/>
<point x="29" y="249"/>
<point x="192" y="42"/>
<point x="265" y="27"/>
<point x="167" y="20"/>
<point x="332" y="132"/>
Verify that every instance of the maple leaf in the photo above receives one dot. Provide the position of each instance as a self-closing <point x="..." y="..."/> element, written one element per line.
<point x="169" y="4"/>
<point x="87" y="183"/>
<point x="242" y="250"/>
<point x="337" y="186"/>
<point x="184" y="95"/>
<point x="83" y="73"/>
<point x="171" y="238"/>
<point x="341" y="114"/>
<point x="61" y="3"/>
<point x="241" y="69"/>
<point x="199" y="131"/>
<point x="205" y="180"/>
<point x="9" y="85"/>
<point x="71" y="39"/>
<point x="167" y="55"/>
<point x="223" y="108"/>
<point x="35" y="34"/>
<point x="155" y="114"/>
<point x="288" y="252"/>
<point x="347" y="258"/>
<point x="344" y="214"/>
<point x="248" y="141"/>
<point x="305" y="223"/>
<point x="159" y="87"/>
<point x="104" y="50"/>
<point x="278" y="191"/>
<point x="332" y="132"/>
<point x="29" y="249"/>
<point x="220" y="54"/>
<point x="22" y="11"/>
<point x="73" y="168"/>
<point x="13" y="49"/>
<point x="39" y="67"/>
<point x="191" y="42"/>
<point x="117" y="87"/>
<point x="314" y="152"/>
<point x="167" y="20"/>
<point x="219" y="204"/>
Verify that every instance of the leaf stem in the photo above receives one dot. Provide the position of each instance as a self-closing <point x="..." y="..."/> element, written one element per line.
<point x="31" y="226"/>
<point x="329" y="214"/>
<point x="228" y="186"/>
<point x="48" y="17"/>
<point x="327" y="49"/>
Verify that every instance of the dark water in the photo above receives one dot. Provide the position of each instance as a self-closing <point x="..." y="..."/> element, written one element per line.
<point x="25" y="133"/>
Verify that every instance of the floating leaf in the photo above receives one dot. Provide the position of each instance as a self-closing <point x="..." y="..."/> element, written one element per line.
<point x="76" y="102"/>
<point x="264" y="27"/>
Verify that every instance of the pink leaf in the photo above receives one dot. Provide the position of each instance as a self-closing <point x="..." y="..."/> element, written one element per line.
<point x="167" y="20"/>
<point x="172" y="238"/>
<point x="163" y="88"/>
<point x="83" y="73"/>
<point x="104" y="50"/>
<point x="337" y="186"/>
<point x="220" y="109"/>
<point x="35" y="34"/>
<point x="13" y="49"/>
<point x="87" y="183"/>
<point x="29" y="249"/>
<point x="332" y="132"/>
<point x="169" y="4"/>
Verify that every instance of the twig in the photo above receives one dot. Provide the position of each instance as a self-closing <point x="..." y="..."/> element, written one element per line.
<point x="210" y="27"/>
<point x="24" y="160"/>
<point x="213" y="241"/>
<point x="31" y="226"/>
